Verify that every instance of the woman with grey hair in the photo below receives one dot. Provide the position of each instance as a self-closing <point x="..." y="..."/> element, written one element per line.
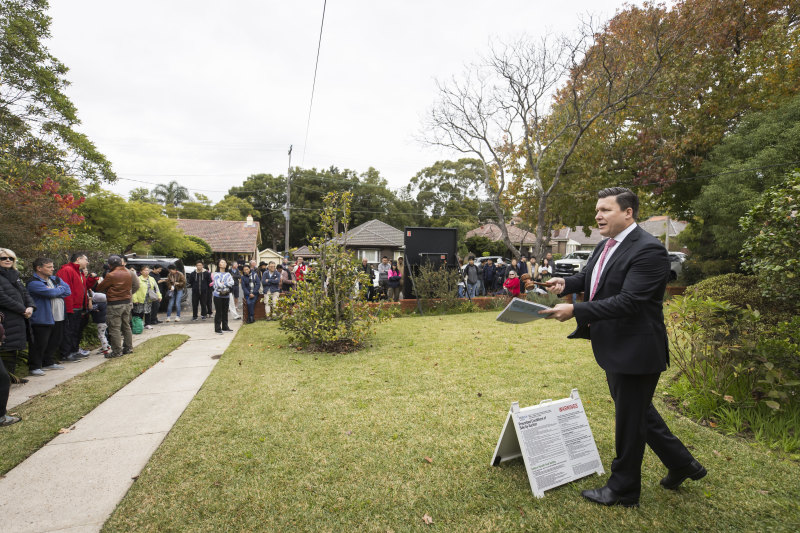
<point x="16" y="306"/>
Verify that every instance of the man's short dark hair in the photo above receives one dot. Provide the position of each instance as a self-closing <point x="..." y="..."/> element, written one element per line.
<point x="625" y="198"/>
<point x="77" y="255"/>
<point x="172" y="267"/>
<point x="41" y="261"/>
<point x="198" y="263"/>
<point x="114" y="261"/>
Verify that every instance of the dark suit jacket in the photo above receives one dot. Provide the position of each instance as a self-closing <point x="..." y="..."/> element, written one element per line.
<point x="625" y="321"/>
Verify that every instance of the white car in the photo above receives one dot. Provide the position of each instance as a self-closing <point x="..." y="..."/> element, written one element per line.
<point x="572" y="263"/>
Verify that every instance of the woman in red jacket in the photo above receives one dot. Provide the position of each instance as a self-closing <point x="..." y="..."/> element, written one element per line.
<point x="512" y="284"/>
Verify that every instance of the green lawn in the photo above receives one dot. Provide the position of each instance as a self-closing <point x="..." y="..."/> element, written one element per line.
<point x="66" y="403"/>
<point x="281" y="440"/>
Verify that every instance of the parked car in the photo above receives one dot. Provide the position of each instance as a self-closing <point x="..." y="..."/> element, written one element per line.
<point x="676" y="260"/>
<point x="571" y="263"/>
<point x="138" y="261"/>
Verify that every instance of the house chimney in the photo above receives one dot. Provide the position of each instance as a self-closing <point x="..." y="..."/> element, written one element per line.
<point x="249" y="222"/>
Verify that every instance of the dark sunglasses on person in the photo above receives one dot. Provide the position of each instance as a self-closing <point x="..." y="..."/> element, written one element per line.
<point x="8" y="258"/>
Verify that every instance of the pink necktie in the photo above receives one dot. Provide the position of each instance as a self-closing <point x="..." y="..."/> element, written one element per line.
<point x="609" y="245"/>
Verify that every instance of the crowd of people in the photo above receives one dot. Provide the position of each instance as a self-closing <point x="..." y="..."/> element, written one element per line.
<point x="48" y="313"/>
<point x="490" y="278"/>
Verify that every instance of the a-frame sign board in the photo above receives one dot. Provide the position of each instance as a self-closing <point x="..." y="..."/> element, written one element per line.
<point x="554" y="440"/>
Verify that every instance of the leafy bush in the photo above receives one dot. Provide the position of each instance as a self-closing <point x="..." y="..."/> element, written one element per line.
<point x="326" y="311"/>
<point x="737" y="289"/>
<point x="437" y="287"/>
<point x="771" y="249"/>
<point x="735" y="369"/>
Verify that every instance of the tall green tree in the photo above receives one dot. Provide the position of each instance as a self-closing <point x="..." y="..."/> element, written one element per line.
<point x="38" y="135"/>
<point x="133" y="226"/>
<point x="172" y="194"/>
<point x="372" y="199"/>
<point x="753" y="158"/>
<point x="451" y="190"/>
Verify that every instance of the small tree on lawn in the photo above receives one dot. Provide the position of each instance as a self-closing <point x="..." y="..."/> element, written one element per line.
<point x="327" y="311"/>
<point x="772" y="227"/>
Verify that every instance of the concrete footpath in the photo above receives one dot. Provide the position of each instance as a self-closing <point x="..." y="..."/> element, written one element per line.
<point x="75" y="481"/>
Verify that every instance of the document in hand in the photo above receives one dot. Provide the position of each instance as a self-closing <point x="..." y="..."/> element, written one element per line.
<point x="520" y="311"/>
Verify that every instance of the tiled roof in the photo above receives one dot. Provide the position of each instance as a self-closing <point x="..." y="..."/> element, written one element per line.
<point x="657" y="226"/>
<point x="515" y="234"/>
<point x="223" y="235"/>
<point x="577" y="235"/>
<point x="375" y="234"/>
<point x="304" y="252"/>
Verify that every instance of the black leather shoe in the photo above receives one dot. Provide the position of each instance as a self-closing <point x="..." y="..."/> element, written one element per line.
<point x="606" y="496"/>
<point x="674" y="478"/>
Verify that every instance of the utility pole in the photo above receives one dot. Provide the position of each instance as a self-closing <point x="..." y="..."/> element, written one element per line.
<point x="288" y="203"/>
<point x="667" y="237"/>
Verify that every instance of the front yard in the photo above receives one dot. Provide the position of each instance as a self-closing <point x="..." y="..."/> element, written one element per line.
<point x="284" y="440"/>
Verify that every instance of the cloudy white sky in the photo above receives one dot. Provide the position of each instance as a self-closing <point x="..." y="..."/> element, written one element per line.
<point x="208" y="92"/>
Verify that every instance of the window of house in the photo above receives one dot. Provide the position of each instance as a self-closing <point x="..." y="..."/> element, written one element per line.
<point x="369" y="255"/>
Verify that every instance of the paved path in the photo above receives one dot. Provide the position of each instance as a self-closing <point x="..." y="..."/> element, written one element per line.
<point x="76" y="480"/>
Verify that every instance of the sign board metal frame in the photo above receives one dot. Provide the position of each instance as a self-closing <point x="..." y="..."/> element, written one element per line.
<point x="555" y="443"/>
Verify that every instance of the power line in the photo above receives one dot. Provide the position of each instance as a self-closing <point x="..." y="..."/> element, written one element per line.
<point x="314" y="83"/>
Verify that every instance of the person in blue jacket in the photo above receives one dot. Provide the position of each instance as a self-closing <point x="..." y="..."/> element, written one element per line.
<point x="47" y="322"/>
<point x="271" y="287"/>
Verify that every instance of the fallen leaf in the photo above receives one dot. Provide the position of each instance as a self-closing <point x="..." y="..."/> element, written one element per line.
<point x="64" y="430"/>
<point x="135" y="478"/>
<point x="764" y="492"/>
<point x="249" y="344"/>
<point x="427" y="519"/>
<point x="728" y="398"/>
<point x="480" y="394"/>
<point x="712" y="424"/>
<point x="715" y="452"/>
<point x="521" y="512"/>
<point x="240" y="362"/>
<point x="348" y="432"/>
<point x="429" y="460"/>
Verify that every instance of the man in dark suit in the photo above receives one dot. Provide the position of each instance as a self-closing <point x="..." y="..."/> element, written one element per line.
<point x="623" y="285"/>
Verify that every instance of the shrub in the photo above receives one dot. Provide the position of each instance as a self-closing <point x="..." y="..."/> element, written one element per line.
<point x="326" y="311"/>
<point x="772" y="227"/>
<point x="437" y="287"/>
<point x="735" y="368"/>
<point x="737" y="289"/>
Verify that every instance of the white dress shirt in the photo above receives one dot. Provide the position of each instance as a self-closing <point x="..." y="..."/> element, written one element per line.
<point x="596" y="272"/>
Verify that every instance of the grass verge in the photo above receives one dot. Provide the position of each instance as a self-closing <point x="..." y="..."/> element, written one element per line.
<point x="68" y="402"/>
<point x="281" y="440"/>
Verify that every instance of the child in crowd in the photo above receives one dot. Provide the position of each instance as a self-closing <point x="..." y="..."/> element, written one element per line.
<point x="98" y="313"/>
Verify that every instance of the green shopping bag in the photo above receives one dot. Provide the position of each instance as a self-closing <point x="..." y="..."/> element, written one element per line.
<point x="137" y="325"/>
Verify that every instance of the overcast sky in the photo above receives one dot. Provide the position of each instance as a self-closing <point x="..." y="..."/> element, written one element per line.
<point x="208" y="92"/>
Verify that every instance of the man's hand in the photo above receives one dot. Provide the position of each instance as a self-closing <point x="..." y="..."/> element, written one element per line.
<point x="555" y="285"/>
<point x="28" y="312"/>
<point x="561" y="312"/>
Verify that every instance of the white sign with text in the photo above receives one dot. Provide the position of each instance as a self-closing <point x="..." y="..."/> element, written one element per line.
<point x="554" y="440"/>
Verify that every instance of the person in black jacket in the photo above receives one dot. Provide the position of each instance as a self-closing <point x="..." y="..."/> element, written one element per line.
<point x="17" y="306"/>
<point x="367" y="269"/>
<point x="200" y="281"/>
<point x="489" y="273"/>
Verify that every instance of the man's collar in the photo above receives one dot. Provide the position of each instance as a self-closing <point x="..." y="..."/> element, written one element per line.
<point x="624" y="233"/>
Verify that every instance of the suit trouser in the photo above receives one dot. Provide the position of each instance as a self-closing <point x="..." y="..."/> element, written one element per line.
<point x="46" y="340"/>
<point x="638" y="423"/>
<point x="198" y="297"/>
<point x="118" y="318"/>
